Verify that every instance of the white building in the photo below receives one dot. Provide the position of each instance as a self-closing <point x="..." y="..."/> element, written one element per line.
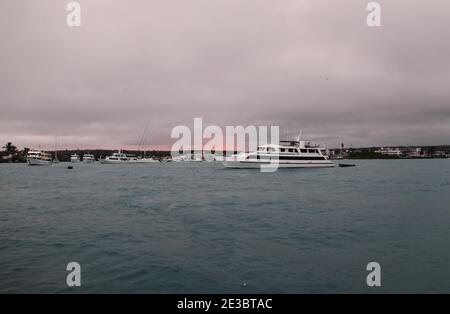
<point x="389" y="151"/>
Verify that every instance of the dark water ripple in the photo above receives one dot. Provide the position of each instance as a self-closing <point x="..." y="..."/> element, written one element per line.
<point x="195" y="227"/>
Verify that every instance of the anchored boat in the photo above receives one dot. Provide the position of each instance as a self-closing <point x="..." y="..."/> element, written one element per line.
<point x="288" y="154"/>
<point x="38" y="158"/>
<point x="75" y="158"/>
<point x="88" y="158"/>
<point x="119" y="158"/>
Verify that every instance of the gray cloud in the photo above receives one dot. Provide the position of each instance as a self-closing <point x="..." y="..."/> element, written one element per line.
<point x="302" y="64"/>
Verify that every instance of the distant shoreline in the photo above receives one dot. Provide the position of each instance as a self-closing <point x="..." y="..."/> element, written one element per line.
<point x="12" y="154"/>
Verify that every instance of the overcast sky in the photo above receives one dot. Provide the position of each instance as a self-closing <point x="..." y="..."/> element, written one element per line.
<point x="312" y="65"/>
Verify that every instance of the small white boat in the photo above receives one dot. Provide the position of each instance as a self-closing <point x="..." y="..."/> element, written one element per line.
<point x="219" y="158"/>
<point x="186" y="157"/>
<point x="88" y="158"/>
<point x="119" y="158"/>
<point x="39" y="158"/>
<point x="74" y="158"/>
<point x="288" y="154"/>
<point x="146" y="160"/>
<point x="209" y="157"/>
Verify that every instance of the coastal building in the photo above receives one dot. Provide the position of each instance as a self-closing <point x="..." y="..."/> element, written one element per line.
<point x="429" y="152"/>
<point x="338" y="153"/>
<point x="439" y="154"/>
<point x="389" y="151"/>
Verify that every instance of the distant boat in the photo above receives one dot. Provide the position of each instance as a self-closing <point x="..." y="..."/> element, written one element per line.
<point x="185" y="157"/>
<point x="74" y="158"/>
<point x="209" y="157"/>
<point x="88" y="158"/>
<point x="119" y="158"/>
<point x="188" y="157"/>
<point x="146" y="160"/>
<point x="219" y="158"/>
<point x="38" y="158"/>
<point x="197" y="157"/>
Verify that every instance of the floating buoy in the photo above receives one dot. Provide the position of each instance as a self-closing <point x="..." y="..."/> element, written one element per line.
<point x="347" y="165"/>
<point x="70" y="167"/>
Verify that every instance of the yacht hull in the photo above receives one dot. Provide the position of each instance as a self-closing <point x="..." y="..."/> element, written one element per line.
<point x="258" y="164"/>
<point x="38" y="162"/>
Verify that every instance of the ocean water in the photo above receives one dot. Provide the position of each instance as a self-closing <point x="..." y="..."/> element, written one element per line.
<point x="199" y="228"/>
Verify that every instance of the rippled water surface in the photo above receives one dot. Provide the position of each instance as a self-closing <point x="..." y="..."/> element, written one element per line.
<point x="196" y="227"/>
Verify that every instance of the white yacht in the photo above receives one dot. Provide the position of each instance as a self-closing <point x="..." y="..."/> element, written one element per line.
<point x="74" y="158"/>
<point x="145" y="160"/>
<point x="185" y="157"/>
<point x="288" y="154"/>
<point x="119" y="158"/>
<point x="88" y="158"/>
<point x="38" y="158"/>
<point x="209" y="157"/>
<point x="198" y="157"/>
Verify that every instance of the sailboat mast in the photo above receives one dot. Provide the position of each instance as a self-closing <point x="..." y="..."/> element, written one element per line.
<point x="56" y="152"/>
